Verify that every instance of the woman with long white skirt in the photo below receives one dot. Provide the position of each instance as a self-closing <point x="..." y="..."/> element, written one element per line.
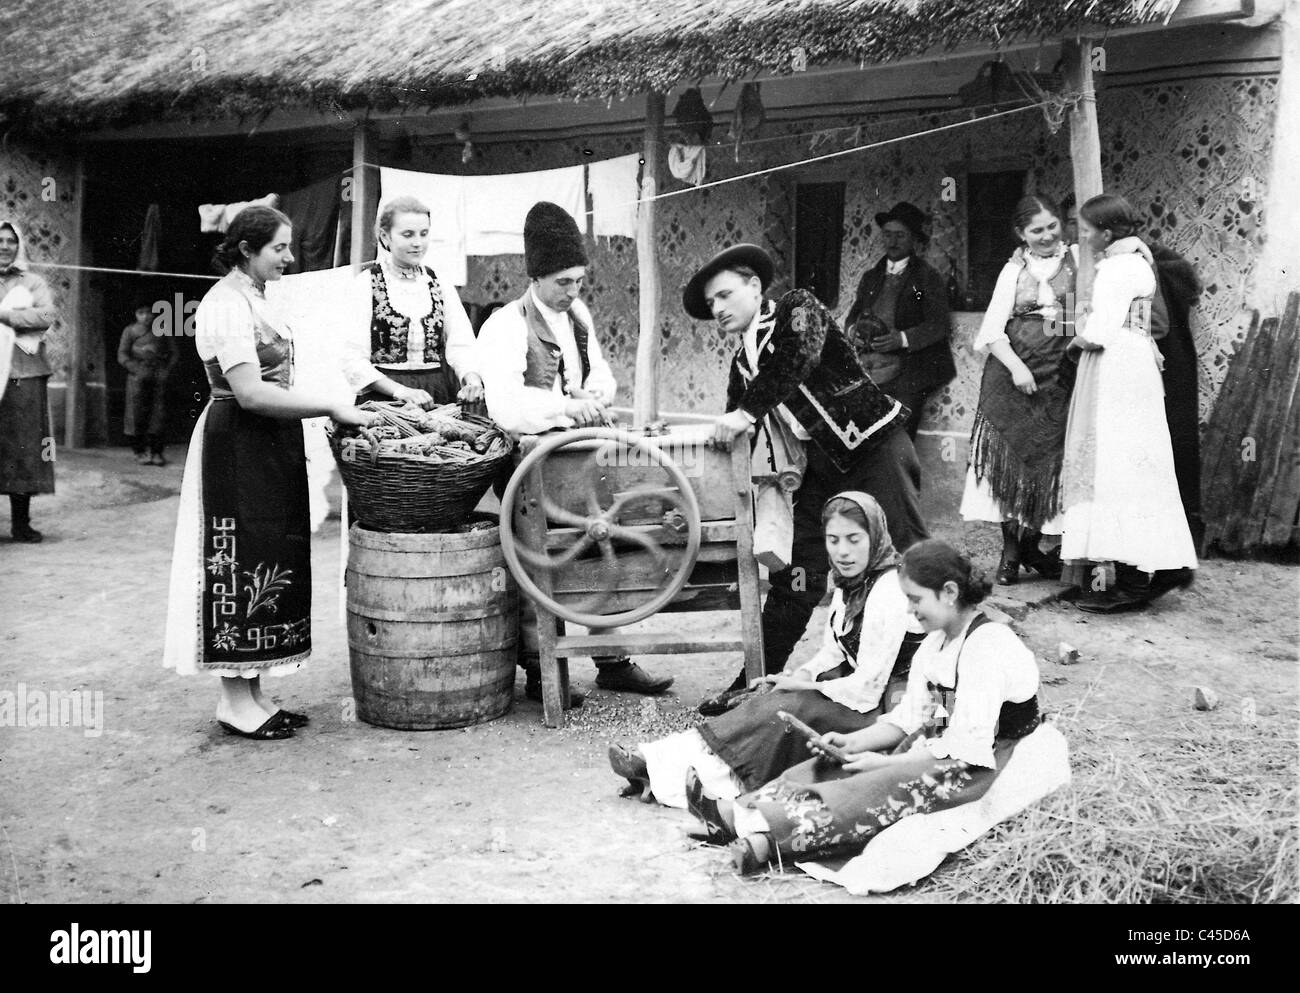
<point x="1120" y="491"/>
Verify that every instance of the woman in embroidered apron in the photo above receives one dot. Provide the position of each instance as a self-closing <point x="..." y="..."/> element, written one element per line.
<point x="240" y="604"/>
<point x="26" y="438"/>
<point x="859" y="672"/>
<point x="1120" y="491"/>
<point x="408" y="335"/>
<point x="1014" y="477"/>
<point x="971" y="705"/>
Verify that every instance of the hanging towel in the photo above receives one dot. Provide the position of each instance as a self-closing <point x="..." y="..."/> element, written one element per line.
<point x="149" y="240"/>
<point x="313" y="304"/>
<point x="217" y="216"/>
<point x="614" y="191"/>
<point x="686" y="162"/>
<point x="445" y="196"/>
<point x="495" y="206"/>
<point x="314" y="212"/>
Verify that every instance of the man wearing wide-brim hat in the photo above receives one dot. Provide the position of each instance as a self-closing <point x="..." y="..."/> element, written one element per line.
<point x="542" y="368"/>
<point x="899" y="322"/>
<point x="793" y="363"/>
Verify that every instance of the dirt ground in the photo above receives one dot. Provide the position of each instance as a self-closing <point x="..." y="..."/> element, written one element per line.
<point x="161" y="805"/>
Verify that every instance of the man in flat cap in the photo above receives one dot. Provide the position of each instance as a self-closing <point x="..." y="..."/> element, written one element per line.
<point x="793" y="362"/>
<point x="899" y="322"/>
<point x="542" y="368"/>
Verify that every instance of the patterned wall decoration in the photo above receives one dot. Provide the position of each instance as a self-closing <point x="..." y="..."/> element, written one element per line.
<point x="48" y="227"/>
<point x="1186" y="152"/>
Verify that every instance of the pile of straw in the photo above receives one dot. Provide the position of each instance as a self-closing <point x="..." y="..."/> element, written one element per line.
<point x="1201" y="810"/>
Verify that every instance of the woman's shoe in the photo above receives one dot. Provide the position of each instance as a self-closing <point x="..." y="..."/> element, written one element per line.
<point x="28" y="534"/>
<point x="272" y="729"/>
<point x="631" y="766"/>
<point x="1046" y="564"/>
<point x="744" y="859"/>
<point x="1008" y="572"/>
<point x="291" y="720"/>
<point x="705" y="810"/>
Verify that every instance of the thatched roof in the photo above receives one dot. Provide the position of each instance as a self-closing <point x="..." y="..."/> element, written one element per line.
<point x="77" y="63"/>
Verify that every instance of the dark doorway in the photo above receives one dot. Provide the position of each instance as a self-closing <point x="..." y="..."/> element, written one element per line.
<point x="818" y="238"/>
<point x="990" y="203"/>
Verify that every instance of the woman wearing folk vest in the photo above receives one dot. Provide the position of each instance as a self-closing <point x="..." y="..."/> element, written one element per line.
<point x="542" y="369"/>
<point x="409" y="336"/>
<point x="1018" y="442"/>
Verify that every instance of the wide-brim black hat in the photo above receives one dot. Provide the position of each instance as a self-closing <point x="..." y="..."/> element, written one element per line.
<point x="750" y="256"/>
<point x="908" y="215"/>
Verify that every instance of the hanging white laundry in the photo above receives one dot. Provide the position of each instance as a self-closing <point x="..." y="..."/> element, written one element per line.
<point x="495" y="206"/>
<point x="614" y="192"/>
<point x="445" y="196"/>
<point x="686" y="162"/>
<point x="312" y="304"/>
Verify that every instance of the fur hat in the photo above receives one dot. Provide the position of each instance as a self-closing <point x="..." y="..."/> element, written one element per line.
<point x="552" y="240"/>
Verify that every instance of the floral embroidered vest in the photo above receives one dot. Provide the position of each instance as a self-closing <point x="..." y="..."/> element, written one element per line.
<point x="390" y="330"/>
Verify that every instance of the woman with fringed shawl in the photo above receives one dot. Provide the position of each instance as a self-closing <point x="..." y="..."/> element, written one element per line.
<point x="1018" y="439"/>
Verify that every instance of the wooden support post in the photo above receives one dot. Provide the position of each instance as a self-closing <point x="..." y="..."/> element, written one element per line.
<point x="530" y="526"/>
<point x="365" y="183"/>
<point x="645" y="403"/>
<point x="751" y="614"/>
<point x="74" y="400"/>
<point x="1085" y="149"/>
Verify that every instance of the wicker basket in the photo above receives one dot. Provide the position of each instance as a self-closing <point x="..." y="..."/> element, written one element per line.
<point x="409" y="493"/>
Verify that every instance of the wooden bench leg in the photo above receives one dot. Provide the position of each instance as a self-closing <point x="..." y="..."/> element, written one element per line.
<point x="751" y="611"/>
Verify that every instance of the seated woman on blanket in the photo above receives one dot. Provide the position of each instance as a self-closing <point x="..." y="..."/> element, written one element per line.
<point x="971" y="704"/>
<point x="859" y="671"/>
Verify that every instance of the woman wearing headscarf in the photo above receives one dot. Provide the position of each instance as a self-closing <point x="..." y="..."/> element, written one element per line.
<point x="26" y="438"/>
<point x="863" y="663"/>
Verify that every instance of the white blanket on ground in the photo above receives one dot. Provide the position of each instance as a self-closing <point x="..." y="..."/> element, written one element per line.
<point x="913" y="847"/>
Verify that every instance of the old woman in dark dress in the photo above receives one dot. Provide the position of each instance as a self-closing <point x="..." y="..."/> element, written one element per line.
<point x="26" y="439"/>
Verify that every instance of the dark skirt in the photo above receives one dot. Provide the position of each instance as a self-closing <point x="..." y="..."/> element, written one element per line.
<point x="816" y="810"/>
<point x="1018" y="441"/>
<point x="256" y="604"/>
<point x="759" y="746"/>
<point x="439" y="383"/>
<point x="26" y="438"/>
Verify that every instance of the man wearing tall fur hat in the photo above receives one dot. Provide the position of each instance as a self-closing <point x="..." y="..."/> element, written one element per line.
<point x="542" y="368"/>
<point x="899" y="322"/>
<point x="793" y="363"/>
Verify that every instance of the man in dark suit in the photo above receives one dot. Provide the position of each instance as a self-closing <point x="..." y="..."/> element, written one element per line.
<point x="899" y="320"/>
<point x="794" y="363"/>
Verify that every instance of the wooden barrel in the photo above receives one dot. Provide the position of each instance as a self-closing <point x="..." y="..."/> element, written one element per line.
<point x="433" y="624"/>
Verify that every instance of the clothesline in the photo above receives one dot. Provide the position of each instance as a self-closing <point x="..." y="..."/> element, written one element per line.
<point x="669" y="194"/>
<point x="808" y="161"/>
<point x="122" y="272"/>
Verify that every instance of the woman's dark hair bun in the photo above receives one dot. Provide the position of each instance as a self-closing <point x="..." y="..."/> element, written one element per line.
<point x="932" y="562"/>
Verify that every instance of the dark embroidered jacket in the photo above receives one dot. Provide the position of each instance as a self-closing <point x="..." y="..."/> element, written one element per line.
<point x="808" y="365"/>
<point x="922" y="313"/>
<point x="389" y="330"/>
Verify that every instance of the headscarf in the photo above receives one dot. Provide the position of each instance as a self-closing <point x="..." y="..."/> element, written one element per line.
<point x="883" y="558"/>
<point x="20" y="262"/>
